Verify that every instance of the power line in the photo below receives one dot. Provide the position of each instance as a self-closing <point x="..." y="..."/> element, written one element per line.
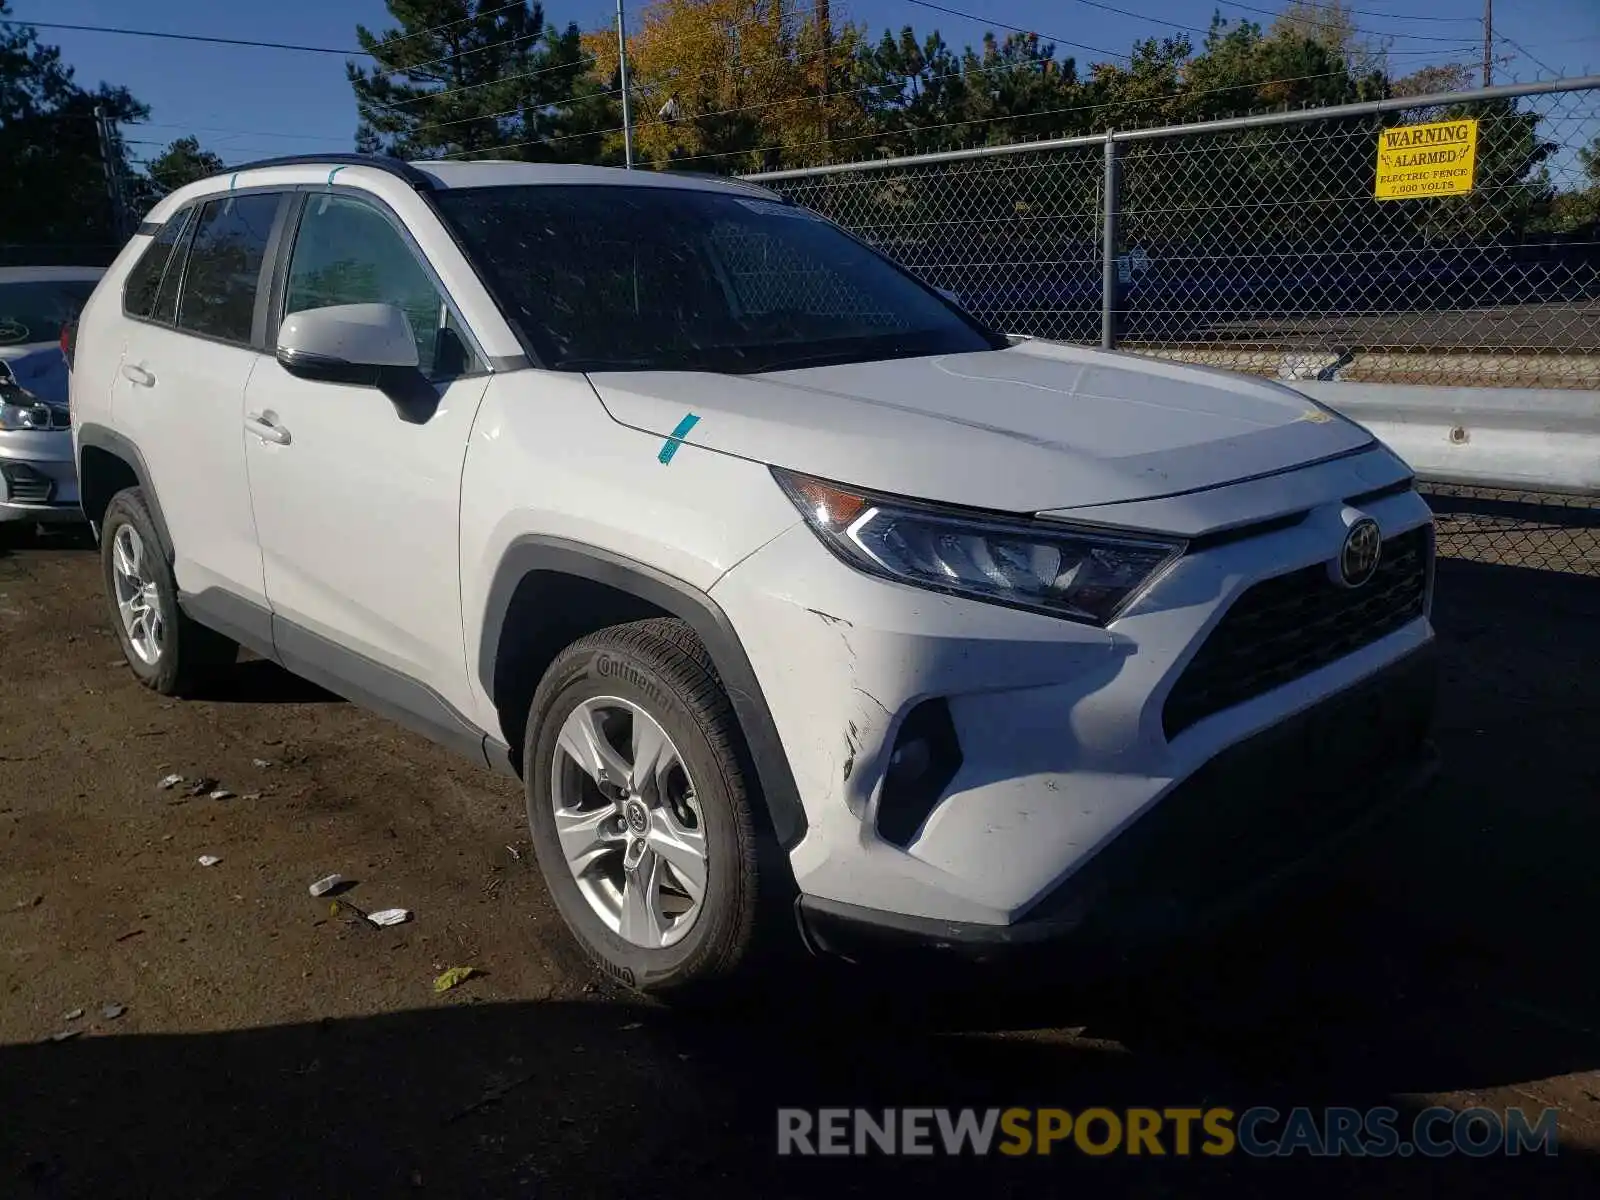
<point x="1159" y="21"/>
<point x="1414" y="37"/>
<point x="954" y="12"/>
<point x="180" y="37"/>
<point x="1367" y="12"/>
<point x="251" y="42"/>
<point x="1520" y="48"/>
<point x="305" y="137"/>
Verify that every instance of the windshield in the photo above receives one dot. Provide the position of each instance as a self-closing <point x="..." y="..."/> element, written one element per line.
<point x="669" y="279"/>
<point x="35" y="311"/>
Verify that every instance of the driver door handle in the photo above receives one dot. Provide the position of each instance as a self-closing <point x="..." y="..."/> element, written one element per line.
<point x="138" y="375"/>
<point x="266" y="429"/>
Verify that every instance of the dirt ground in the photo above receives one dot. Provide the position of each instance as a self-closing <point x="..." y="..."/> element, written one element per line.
<point x="270" y="1047"/>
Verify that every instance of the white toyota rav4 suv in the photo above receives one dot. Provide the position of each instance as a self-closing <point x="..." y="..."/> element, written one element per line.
<point x="771" y="573"/>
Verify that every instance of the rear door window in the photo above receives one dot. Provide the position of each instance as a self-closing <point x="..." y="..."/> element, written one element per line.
<point x="223" y="273"/>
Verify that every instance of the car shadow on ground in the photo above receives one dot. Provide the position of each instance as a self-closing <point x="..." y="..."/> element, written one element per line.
<point x="595" y="1098"/>
<point x="19" y="536"/>
<point x="260" y="681"/>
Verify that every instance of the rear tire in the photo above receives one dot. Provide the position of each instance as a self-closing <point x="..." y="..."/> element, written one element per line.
<point x="168" y="652"/>
<point x="654" y="869"/>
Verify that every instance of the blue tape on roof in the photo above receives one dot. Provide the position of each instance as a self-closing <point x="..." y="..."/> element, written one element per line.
<point x="675" y="438"/>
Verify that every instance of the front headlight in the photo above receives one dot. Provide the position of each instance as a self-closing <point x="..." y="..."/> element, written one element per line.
<point x="1065" y="571"/>
<point x="24" y="416"/>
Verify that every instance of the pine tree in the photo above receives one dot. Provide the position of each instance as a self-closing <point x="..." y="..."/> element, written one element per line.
<point x="465" y="77"/>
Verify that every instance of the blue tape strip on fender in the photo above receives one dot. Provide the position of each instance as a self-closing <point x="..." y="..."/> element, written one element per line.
<point x="675" y="438"/>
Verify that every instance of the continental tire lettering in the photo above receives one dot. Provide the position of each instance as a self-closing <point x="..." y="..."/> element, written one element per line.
<point x="615" y="668"/>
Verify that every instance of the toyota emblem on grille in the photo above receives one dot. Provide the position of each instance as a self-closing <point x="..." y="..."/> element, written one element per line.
<point x="1358" y="559"/>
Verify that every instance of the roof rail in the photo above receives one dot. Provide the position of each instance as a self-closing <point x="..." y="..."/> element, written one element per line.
<point x="394" y="166"/>
<point x="713" y="177"/>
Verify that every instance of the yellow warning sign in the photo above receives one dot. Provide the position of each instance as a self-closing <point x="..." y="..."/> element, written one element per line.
<point x="1427" y="160"/>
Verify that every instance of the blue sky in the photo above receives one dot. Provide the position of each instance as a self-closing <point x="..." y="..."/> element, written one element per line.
<point x="251" y="103"/>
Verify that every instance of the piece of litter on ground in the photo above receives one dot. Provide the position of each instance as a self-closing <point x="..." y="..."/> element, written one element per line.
<point x="454" y="977"/>
<point x="112" y="1011"/>
<point x="390" y="916"/>
<point x="170" y="782"/>
<point x="65" y="1034"/>
<point x="132" y="933"/>
<point x="208" y="860"/>
<point x="74" y="1015"/>
<point x="261" y="763"/>
<point x="632" y="1025"/>
<point x="251" y="796"/>
<point x="222" y="794"/>
<point x="515" y="853"/>
<point x="201" y="786"/>
<point x="325" y="885"/>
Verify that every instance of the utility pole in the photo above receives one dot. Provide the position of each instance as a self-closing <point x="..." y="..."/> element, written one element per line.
<point x="825" y="29"/>
<point x="111" y="161"/>
<point x="1488" y="42"/>
<point x="622" y="70"/>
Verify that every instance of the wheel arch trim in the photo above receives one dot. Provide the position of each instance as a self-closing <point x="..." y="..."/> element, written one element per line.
<point x="532" y="554"/>
<point x="119" y="446"/>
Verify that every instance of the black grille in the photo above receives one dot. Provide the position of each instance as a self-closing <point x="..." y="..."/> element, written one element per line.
<point x="1289" y="626"/>
<point x="27" y="486"/>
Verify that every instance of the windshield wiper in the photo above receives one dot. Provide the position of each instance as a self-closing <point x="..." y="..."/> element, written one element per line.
<point x="608" y="364"/>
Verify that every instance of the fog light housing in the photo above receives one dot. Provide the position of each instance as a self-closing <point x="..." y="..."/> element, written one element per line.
<point x="924" y="759"/>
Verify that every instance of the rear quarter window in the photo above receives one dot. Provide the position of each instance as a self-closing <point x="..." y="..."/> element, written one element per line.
<point x="144" y="281"/>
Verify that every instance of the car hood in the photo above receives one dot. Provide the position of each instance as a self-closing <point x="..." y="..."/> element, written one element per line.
<point x="1033" y="427"/>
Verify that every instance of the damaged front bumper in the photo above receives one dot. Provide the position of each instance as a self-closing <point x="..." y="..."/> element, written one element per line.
<point x="1250" y="820"/>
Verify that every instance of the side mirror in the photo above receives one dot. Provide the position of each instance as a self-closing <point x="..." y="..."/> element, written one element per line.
<point x="348" y="343"/>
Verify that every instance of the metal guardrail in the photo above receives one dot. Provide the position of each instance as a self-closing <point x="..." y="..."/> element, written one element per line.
<point x="1259" y="241"/>
<point x="1512" y="438"/>
<point x="1512" y="475"/>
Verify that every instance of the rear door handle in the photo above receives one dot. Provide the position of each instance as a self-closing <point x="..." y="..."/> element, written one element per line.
<point x="266" y="430"/>
<point x="138" y="375"/>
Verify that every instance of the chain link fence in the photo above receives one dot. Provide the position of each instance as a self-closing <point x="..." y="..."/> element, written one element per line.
<point x="1258" y="244"/>
<point x="1541" y="530"/>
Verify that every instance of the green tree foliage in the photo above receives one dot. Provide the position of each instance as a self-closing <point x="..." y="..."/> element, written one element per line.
<point x="458" y="77"/>
<point x="53" y="190"/>
<point x="180" y="163"/>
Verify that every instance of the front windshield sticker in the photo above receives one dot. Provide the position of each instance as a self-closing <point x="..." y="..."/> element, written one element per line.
<point x="772" y="208"/>
<point x="12" y="332"/>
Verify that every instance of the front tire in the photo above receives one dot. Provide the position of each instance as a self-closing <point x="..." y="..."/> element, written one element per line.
<point x="639" y="807"/>
<point x="168" y="652"/>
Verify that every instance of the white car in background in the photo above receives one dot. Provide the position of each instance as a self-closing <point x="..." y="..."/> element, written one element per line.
<point x="38" y="481"/>
<point x="776" y="577"/>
